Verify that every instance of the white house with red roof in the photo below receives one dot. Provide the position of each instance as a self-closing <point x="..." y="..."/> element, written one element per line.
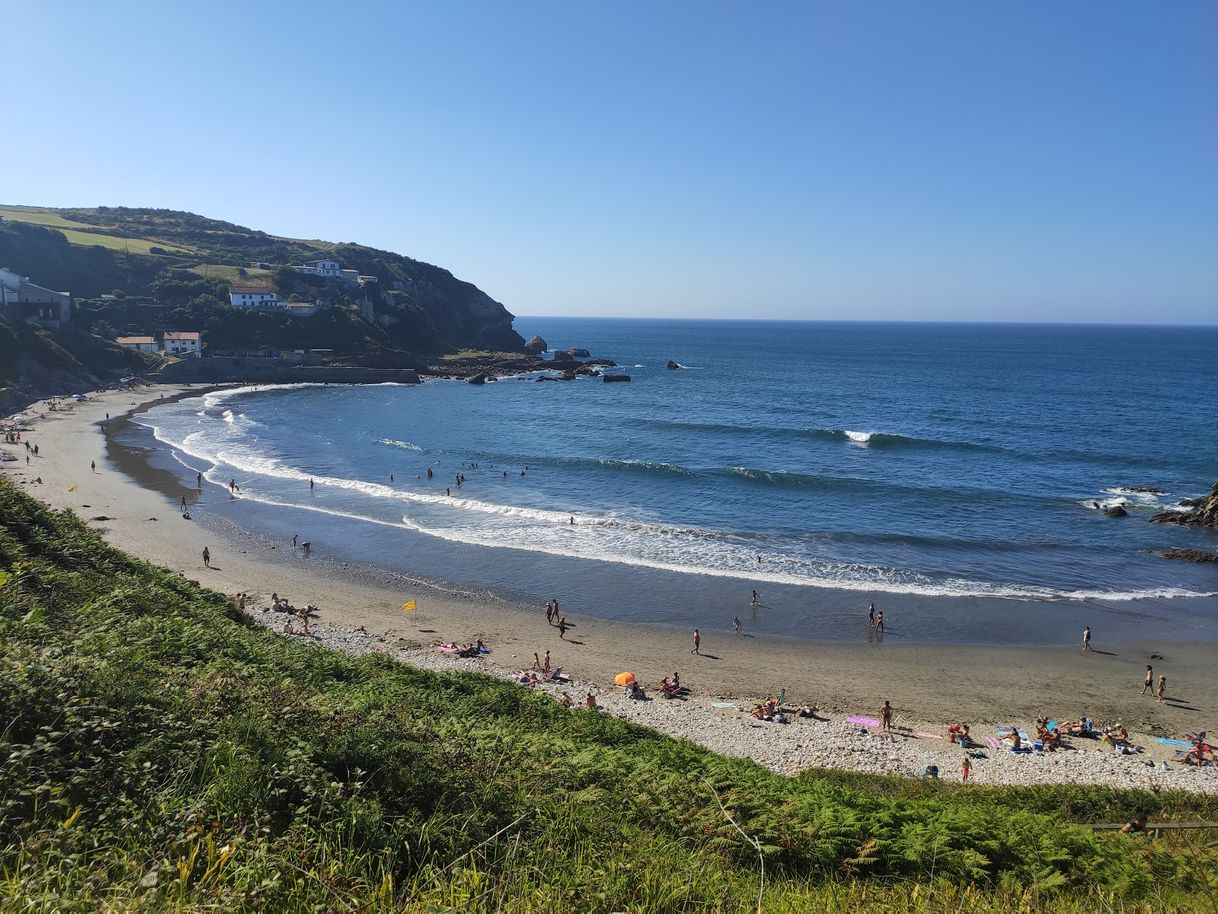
<point x="185" y="344"/>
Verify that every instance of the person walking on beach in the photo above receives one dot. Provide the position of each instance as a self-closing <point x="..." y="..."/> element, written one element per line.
<point x="966" y="768"/>
<point x="93" y="465"/>
<point x="697" y="642"/>
<point x="183" y="504"/>
<point x="294" y="538"/>
<point x="871" y="615"/>
<point x="1149" y="684"/>
<point x="879" y="622"/>
<point x="536" y="662"/>
<point x="550" y="613"/>
<point x="562" y="628"/>
<point x="206" y="557"/>
<point x="1087" y="639"/>
<point x="545" y="664"/>
<point x="736" y="624"/>
<point x="886" y="718"/>
<point x="1162" y="690"/>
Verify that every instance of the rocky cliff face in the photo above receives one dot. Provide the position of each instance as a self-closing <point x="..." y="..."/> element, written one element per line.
<point x="1204" y="513"/>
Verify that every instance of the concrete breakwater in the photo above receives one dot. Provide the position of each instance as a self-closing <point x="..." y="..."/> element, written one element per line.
<point x="271" y="371"/>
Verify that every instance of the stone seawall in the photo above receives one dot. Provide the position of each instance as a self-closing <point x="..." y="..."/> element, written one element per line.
<point x="272" y="371"/>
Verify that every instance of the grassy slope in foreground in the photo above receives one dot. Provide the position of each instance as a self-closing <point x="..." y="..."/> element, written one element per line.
<point x="157" y="751"/>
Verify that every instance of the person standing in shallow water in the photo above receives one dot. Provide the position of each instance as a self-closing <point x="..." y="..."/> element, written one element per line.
<point x="879" y="622"/>
<point x="871" y="615"/>
<point x="736" y="624"/>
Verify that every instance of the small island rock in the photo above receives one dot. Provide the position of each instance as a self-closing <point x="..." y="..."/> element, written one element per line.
<point x="672" y="366"/>
<point x="536" y="346"/>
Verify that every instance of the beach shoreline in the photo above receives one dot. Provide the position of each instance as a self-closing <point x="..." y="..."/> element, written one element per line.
<point x="930" y="685"/>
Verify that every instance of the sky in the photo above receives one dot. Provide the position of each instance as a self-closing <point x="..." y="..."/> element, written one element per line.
<point x="690" y="158"/>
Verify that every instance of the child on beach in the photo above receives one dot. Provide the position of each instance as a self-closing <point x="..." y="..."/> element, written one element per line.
<point x="886" y="718"/>
<point x="1162" y="690"/>
<point x="966" y="768"/>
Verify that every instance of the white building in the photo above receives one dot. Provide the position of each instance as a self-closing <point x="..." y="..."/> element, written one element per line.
<point x="330" y="269"/>
<point x="301" y="308"/>
<point x="351" y="276"/>
<point x="246" y="297"/>
<point x="139" y="343"/>
<point x="23" y="300"/>
<point x="184" y="343"/>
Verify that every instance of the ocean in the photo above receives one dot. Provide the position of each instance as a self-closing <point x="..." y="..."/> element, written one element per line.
<point x="948" y="472"/>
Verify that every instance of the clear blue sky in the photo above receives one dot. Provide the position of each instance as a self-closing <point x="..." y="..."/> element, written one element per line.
<point x="922" y="160"/>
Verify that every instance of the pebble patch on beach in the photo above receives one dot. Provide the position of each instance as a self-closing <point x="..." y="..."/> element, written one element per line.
<point x="803" y="743"/>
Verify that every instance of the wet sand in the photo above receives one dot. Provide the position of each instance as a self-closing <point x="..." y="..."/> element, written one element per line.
<point x="929" y="685"/>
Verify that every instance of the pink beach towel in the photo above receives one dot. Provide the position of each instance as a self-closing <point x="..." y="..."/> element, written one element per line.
<point x="862" y="721"/>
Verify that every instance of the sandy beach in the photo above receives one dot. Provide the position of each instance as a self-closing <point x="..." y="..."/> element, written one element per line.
<point x="928" y="685"/>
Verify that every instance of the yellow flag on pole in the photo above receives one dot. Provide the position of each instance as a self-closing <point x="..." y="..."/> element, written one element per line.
<point x="408" y="606"/>
<point x="72" y="489"/>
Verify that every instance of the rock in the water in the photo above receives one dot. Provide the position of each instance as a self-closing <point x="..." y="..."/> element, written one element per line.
<point x="606" y="363"/>
<point x="563" y="356"/>
<point x="672" y="366"/>
<point x="579" y="353"/>
<point x="609" y="378"/>
<point x="1190" y="555"/>
<point x="479" y="378"/>
<point x="536" y="345"/>
<point x="568" y="375"/>
<point x="587" y="371"/>
<point x="1204" y="513"/>
<point x="1114" y="511"/>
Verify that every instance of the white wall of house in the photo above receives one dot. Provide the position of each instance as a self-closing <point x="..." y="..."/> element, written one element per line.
<point x="250" y="299"/>
<point x="183" y="346"/>
<point x="331" y="269"/>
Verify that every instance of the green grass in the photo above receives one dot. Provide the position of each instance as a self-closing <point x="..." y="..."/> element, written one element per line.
<point x="159" y="752"/>
<point x="86" y="234"/>
<point x="38" y="217"/>
<point x="254" y="276"/>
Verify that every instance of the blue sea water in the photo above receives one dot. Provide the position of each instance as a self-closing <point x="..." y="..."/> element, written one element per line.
<point x="910" y="462"/>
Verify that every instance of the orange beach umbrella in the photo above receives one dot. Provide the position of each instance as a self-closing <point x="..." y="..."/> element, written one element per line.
<point x="624" y="679"/>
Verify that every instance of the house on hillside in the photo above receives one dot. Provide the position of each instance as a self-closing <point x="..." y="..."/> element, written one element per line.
<point x="248" y="297"/>
<point x="21" y="299"/>
<point x="351" y="276"/>
<point x="364" y="279"/>
<point x="184" y="343"/>
<point x="139" y="343"/>
<point x="330" y="269"/>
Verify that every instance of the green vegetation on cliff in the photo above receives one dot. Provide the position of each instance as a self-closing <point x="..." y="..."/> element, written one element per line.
<point x="158" y="752"/>
<point x="173" y="270"/>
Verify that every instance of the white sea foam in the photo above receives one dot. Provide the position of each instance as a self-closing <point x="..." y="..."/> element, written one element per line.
<point x="600" y="536"/>
<point x="858" y="437"/>
<point x="397" y="442"/>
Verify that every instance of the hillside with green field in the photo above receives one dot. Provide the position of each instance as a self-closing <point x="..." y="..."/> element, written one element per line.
<point x="146" y="271"/>
<point x="160" y="752"/>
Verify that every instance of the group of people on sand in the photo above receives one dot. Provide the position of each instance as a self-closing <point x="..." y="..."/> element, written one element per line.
<point x="467" y="649"/>
<point x="553" y="617"/>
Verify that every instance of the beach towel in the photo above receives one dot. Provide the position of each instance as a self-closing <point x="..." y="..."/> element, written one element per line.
<point x="862" y="721"/>
<point x="922" y="734"/>
<point x="991" y="742"/>
<point x="1184" y="744"/>
<point x="446" y="649"/>
<point x="1007" y="731"/>
<point x="723" y="704"/>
